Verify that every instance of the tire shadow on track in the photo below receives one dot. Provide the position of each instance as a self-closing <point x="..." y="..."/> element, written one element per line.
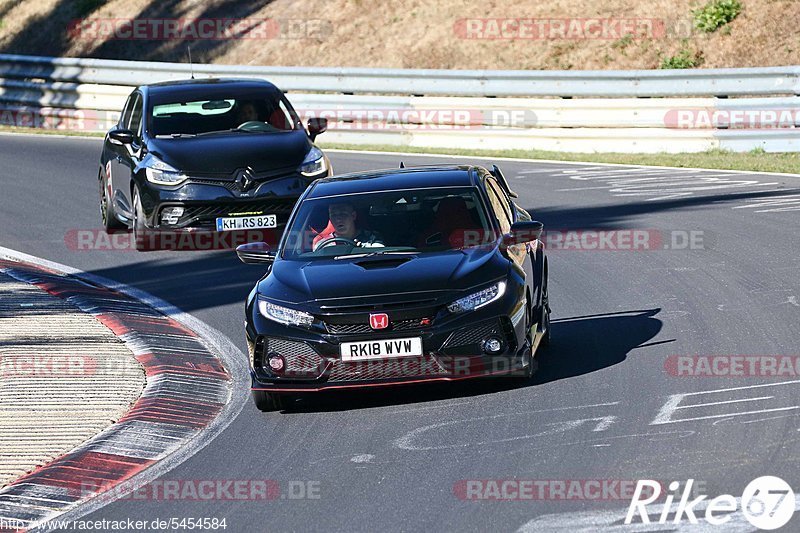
<point x="580" y="345"/>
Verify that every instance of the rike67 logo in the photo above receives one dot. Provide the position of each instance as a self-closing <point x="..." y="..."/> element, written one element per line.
<point x="768" y="502"/>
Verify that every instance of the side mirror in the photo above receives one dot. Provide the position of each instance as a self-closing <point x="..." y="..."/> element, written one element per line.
<point x="255" y="253"/>
<point x="316" y="126"/>
<point x="120" y="136"/>
<point x="526" y="231"/>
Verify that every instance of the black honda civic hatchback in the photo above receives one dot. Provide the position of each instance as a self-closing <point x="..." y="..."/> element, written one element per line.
<point x="219" y="156"/>
<point x="397" y="276"/>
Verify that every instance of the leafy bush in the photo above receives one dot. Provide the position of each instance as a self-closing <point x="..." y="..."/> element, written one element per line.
<point x="685" y="58"/>
<point x="715" y="14"/>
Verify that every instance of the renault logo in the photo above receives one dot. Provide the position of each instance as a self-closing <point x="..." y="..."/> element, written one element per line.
<point x="244" y="179"/>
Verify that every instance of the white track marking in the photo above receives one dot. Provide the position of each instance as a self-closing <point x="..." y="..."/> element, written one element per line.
<point x="406" y="442"/>
<point x="775" y="204"/>
<point x="673" y="404"/>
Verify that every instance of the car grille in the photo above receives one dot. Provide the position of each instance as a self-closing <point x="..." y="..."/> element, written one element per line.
<point x="353" y="329"/>
<point x="403" y="367"/>
<point x="467" y="340"/>
<point x="301" y="359"/>
<point x="343" y="309"/>
<point x="228" y="184"/>
<point x="472" y="334"/>
<point x="209" y="212"/>
<point x="230" y="181"/>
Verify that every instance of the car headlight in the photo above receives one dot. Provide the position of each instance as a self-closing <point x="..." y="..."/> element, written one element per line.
<point x="161" y="173"/>
<point x="478" y="299"/>
<point x="314" y="163"/>
<point x="284" y="315"/>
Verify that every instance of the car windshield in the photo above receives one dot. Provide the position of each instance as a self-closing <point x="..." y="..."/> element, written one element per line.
<point x="264" y="112"/>
<point x="388" y="223"/>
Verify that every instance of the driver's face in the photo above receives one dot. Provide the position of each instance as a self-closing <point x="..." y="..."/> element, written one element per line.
<point x="247" y="113"/>
<point x="343" y="218"/>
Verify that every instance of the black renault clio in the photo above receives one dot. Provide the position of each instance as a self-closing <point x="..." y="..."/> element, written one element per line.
<point x="397" y="276"/>
<point x="212" y="155"/>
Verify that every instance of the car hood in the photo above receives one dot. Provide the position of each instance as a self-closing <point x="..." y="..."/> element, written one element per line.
<point x="225" y="152"/>
<point x="297" y="281"/>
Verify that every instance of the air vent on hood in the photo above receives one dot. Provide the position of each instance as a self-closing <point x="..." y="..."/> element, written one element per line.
<point x="393" y="262"/>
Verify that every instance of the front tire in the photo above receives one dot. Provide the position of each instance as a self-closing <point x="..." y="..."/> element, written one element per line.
<point x="139" y="233"/>
<point x="533" y="364"/>
<point x="545" y="311"/>
<point x="267" y="402"/>
<point x="107" y="213"/>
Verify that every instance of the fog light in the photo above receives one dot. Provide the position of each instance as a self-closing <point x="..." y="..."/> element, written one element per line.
<point x="492" y="345"/>
<point x="276" y="362"/>
<point x="170" y="215"/>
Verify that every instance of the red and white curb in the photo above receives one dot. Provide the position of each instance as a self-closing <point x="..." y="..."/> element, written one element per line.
<point x="196" y="385"/>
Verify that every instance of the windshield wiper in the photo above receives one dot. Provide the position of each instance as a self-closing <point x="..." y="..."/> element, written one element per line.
<point x="175" y="135"/>
<point x="232" y="130"/>
<point x="373" y="254"/>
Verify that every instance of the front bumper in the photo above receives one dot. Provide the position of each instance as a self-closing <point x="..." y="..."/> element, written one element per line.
<point x="205" y="200"/>
<point x="450" y="353"/>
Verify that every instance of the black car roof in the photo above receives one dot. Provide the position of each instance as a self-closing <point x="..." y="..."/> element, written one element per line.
<point x="206" y="86"/>
<point x="396" y="178"/>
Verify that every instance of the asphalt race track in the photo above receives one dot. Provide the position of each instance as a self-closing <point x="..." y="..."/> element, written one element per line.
<point x="720" y="277"/>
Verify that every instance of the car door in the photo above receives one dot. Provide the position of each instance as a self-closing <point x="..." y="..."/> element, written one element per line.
<point x="126" y="157"/>
<point x="112" y="152"/>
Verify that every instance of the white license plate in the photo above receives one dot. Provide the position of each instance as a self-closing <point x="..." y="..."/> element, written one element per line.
<point x="256" y="222"/>
<point x="381" y="349"/>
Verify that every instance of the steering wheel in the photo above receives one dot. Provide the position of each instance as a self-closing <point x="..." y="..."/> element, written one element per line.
<point x="334" y="240"/>
<point x="251" y="125"/>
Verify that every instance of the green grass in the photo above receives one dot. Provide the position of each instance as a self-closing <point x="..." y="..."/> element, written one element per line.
<point x="685" y="58"/>
<point x="756" y="160"/>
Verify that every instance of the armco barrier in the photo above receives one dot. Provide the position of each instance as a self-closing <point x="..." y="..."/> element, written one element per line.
<point x="605" y="83"/>
<point x="579" y="111"/>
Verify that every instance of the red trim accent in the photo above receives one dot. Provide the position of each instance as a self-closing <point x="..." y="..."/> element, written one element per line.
<point x="387" y="384"/>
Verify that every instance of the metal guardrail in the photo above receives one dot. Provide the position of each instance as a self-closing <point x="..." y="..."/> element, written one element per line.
<point x="494" y="83"/>
<point x="87" y="94"/>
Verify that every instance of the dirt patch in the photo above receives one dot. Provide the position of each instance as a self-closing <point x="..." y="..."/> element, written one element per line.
<point x="416" y="34"/>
